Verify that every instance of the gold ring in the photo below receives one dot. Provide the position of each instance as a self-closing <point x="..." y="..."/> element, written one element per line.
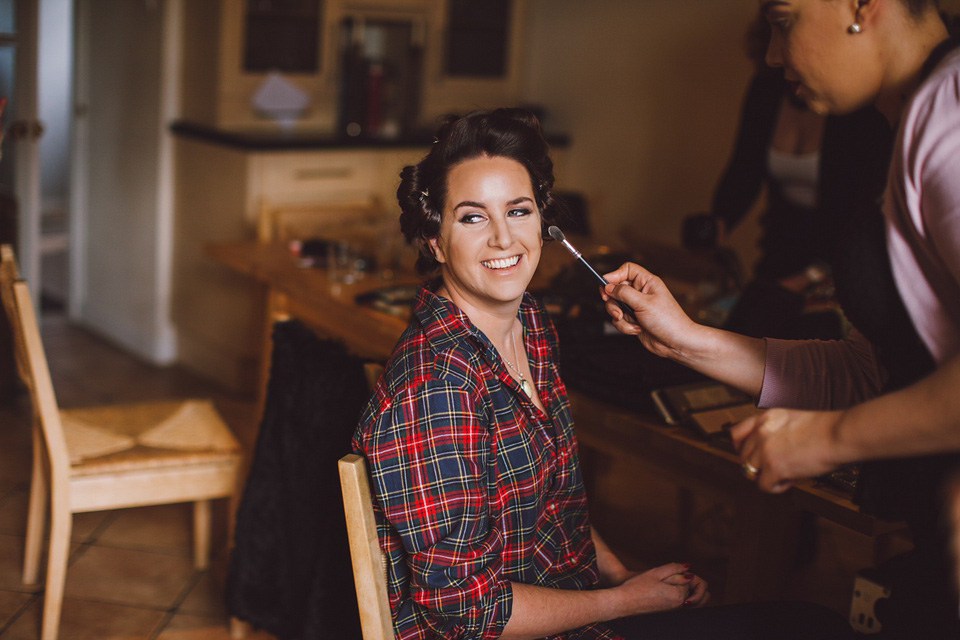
<point x="750" y="472"/>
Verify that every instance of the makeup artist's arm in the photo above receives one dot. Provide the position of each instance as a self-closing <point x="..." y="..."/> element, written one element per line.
<point x="666" y="330"/>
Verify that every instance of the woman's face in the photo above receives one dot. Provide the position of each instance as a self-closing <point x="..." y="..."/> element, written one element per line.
<point x="490" y="235"/>
<point x="831" y="69"/>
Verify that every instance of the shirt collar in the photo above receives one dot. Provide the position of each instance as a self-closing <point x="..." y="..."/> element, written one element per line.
<point x="445" y="324"/>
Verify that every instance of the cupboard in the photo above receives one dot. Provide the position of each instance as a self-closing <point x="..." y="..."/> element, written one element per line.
<point x="399" y="63"/>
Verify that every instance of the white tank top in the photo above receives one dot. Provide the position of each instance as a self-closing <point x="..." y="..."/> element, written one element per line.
<point x="796" y="175"/>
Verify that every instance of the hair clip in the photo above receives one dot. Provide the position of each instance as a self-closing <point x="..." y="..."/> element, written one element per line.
<point x="424" y="194"/>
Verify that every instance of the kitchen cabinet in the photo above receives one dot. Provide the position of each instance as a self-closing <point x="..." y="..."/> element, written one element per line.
<point x="398" y="63"/>
<point x="220" y="191"/>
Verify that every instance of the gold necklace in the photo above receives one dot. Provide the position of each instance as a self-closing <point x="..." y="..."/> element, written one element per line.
<point x="525" y="385"/>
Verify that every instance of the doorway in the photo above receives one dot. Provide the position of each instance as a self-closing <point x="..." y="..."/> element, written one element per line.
<point x="55" y="111"/>
<point x="36" y="68"/>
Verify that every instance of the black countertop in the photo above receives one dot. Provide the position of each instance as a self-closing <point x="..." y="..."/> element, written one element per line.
<point x="262" y="140"/>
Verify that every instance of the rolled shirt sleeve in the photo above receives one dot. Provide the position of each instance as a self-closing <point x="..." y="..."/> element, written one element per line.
<point x="431" y="455"/>
<point x="819" y="374"/>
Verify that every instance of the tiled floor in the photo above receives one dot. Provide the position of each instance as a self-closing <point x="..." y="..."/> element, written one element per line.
<point x="131" y="574"/>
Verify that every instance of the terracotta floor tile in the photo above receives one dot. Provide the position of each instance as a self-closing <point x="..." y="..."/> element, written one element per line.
<point x="13" y="510"/>
<point x="11" y="565"/>
<point x="11" y="602"/>
<point x="163" y="528"/>
<point x="190" y="627"/>
<point x="13" y="516"/>
<point x="128" y="577"/>
<point x="83" y="620"/>
<point x="206" y="598"/>
<point x="16" y="458"/>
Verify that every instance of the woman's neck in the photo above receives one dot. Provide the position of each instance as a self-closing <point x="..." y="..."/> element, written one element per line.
<point x="497" y="324"/>
<point x="905" y="63"/>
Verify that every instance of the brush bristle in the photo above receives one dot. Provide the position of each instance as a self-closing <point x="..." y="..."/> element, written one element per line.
<point x="555" y="233"/>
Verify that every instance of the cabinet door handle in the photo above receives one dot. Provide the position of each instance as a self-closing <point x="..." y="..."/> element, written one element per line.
<point x="323" y="173"/>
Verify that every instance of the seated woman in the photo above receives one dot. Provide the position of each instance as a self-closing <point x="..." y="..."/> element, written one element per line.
<point x="480" y="504"/>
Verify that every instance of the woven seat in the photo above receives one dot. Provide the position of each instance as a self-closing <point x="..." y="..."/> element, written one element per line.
<point x="109" y="457"/>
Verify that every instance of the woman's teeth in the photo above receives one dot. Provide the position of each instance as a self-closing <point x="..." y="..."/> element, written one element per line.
<point x="503" y="263"/>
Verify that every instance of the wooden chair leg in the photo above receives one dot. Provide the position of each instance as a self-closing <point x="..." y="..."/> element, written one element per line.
<point x="61" y="523"/>
<point x="233" y="503"/>
<point x="201" y="534"/>
<point x="36" y="514"/>
<point x="239" y="629"/>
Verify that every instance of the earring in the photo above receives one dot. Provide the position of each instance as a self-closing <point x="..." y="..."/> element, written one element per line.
<point x="854" y="28"/>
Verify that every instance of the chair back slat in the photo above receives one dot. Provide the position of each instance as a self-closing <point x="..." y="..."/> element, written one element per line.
<point x="27" y="336"/>
<point x="369" y="563"/>
<point x="8" y="275"/>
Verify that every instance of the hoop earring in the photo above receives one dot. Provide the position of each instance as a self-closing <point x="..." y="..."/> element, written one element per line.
<point x="854" y="28"/>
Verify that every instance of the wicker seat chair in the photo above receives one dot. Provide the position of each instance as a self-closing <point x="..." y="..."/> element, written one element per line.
<point x="109" y="457"/>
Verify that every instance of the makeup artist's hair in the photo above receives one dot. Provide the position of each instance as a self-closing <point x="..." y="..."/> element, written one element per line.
<point x="508" y="133"/>
<point x="917" y="7"/>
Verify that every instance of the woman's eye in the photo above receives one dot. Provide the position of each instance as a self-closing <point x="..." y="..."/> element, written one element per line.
<point x="516" y="213"/>
<point x="471" y="218"/>
<point x="780" y="24"/>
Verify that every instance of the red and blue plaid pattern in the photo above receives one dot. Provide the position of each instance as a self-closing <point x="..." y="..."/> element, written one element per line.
<point x="473" y="486"/>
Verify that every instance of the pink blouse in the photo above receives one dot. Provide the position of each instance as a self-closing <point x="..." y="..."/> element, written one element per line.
<point x="922" y="206"/>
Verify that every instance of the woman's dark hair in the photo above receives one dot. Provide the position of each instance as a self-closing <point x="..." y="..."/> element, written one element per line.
<point x="917" y="7"/>
<point x="508" y="133"/>
<point x="757" y="39"/>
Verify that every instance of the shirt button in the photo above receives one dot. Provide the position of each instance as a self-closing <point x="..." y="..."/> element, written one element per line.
<point x="552" y="507"/>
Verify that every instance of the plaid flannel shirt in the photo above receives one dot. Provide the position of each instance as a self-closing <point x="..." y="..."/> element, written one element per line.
<point x="473" y="486"/>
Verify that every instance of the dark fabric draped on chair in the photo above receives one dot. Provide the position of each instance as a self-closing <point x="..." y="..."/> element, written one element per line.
<point x="289" y="570"/>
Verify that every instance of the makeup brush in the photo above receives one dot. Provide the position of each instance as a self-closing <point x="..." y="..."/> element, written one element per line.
<point x="557" y="235"/>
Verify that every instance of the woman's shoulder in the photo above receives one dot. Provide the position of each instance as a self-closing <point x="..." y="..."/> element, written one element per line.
<point x="938" y="96"/>
<point x="419" y="362"/>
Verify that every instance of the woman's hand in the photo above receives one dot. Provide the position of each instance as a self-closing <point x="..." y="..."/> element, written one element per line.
<point x="785" y="445"/>
<point x="663" y="325"/>
<point x="663" y="588"/>
<point x="612" y="571"/>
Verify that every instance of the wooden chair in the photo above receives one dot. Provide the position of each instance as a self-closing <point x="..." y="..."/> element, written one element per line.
<point x="109" y="457"/>
<point x="280" y="222"/>
<point x="369" y="562"/>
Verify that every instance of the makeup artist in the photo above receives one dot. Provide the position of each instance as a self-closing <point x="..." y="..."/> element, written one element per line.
<point x="476" y="484"/>
<point x="899" y="284"/>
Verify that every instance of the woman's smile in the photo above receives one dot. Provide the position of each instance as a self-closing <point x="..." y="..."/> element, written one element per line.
<point x="501" y="263"/>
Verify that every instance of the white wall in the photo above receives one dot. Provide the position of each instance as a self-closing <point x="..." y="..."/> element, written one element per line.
<point x="55" y="62"/>
<point x="650" y="93"/>
<point x="125" y="249"/>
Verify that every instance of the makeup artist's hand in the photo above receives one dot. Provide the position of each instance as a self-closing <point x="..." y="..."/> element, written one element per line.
<point x="661" y="324"/>
<point x="785" y="445"/>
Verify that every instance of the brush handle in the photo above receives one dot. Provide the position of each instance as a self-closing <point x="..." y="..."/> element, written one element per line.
<point x="596" y="275"/>
<point x="627" y="311"/>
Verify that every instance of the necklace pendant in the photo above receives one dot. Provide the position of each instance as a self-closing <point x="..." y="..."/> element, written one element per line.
<point x="526" y="387"/>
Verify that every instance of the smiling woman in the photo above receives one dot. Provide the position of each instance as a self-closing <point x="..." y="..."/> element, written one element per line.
<point x="476" y="484"/>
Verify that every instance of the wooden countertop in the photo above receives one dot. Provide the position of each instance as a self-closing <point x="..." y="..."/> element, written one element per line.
<point x="306" y="140"/>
